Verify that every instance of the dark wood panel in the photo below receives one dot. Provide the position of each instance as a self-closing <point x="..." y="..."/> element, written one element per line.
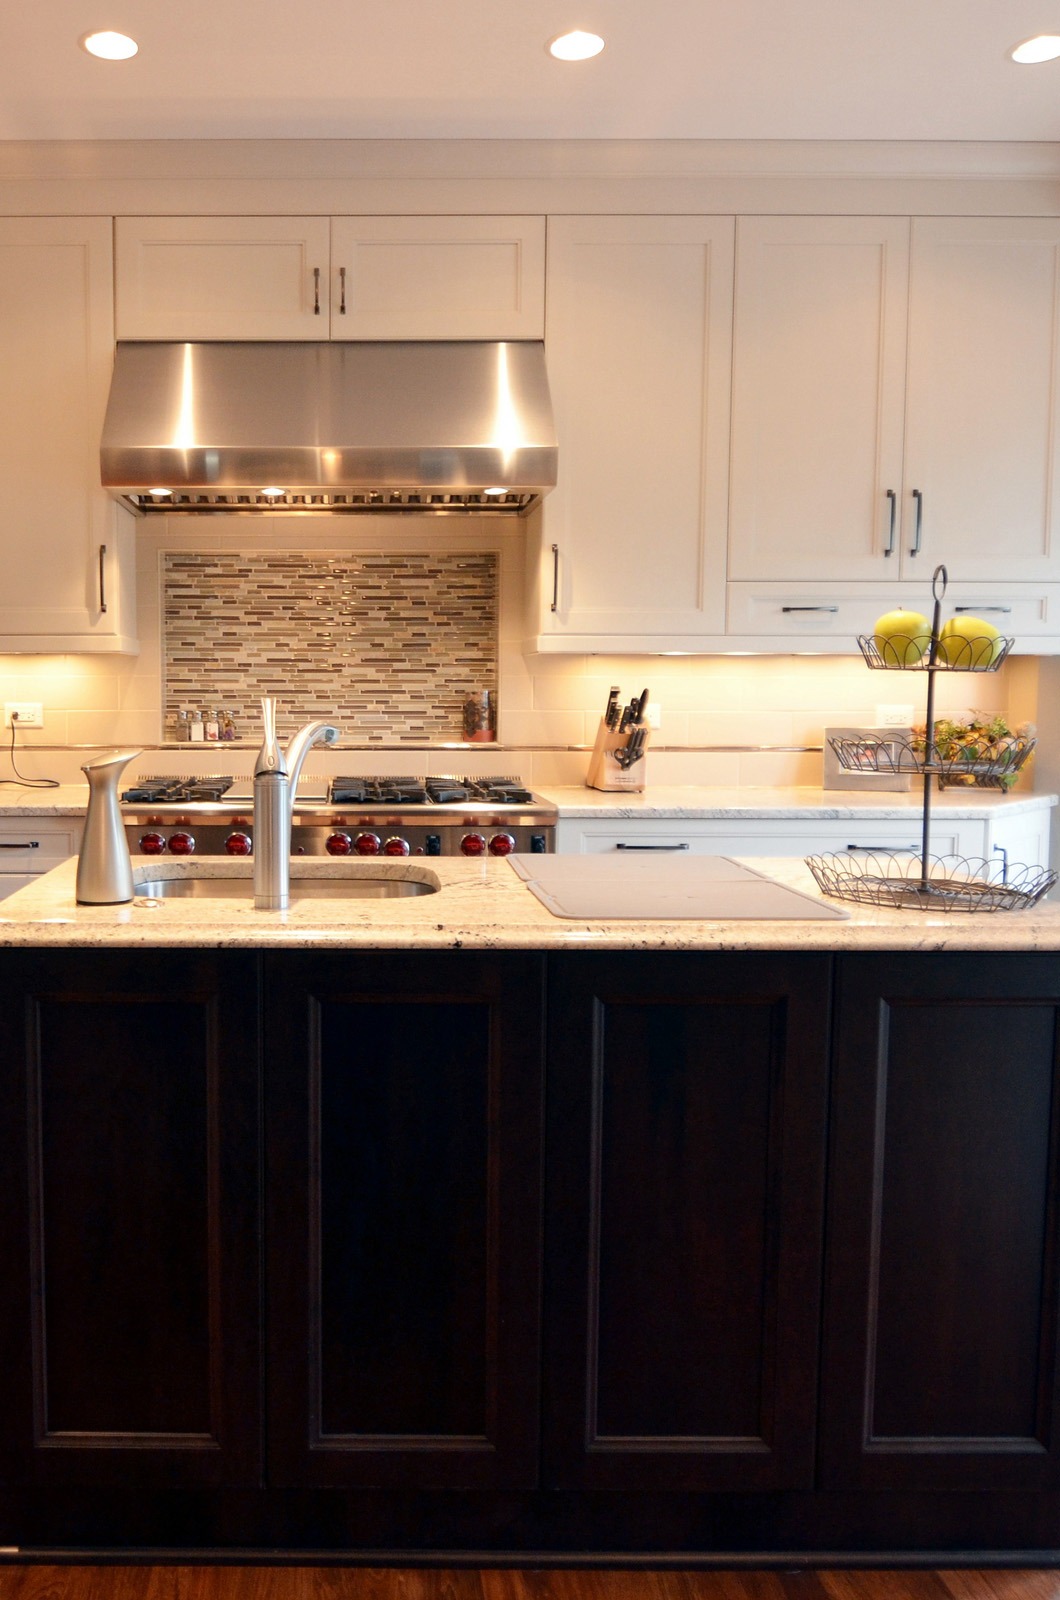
<point x="942" y="1302"/>
<point x="404" y="1118"/>
<point x="686" y="1104"/>
<point x="131" y="1110"/>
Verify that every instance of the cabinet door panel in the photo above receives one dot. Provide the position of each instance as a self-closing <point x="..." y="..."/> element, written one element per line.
<point x="405" y="1143"/>
<point x="818" y="369"/>
<point x="638" y="331"/>
<point x="132" y="1338"/>
<point x="683" y="1224"/>
<point x="940" y="1366"/>
<point x="438" y="277"/>
<point x="221" y="277"/>
<point x="983" y="432"/>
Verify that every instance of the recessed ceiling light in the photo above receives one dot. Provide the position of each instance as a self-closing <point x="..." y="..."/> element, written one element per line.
<point x="1043" y="47"/>
<point x="576" y="46"/>
<point x="110" y="46"/>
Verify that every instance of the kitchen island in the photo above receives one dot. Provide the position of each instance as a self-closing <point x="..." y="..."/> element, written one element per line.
<point x="443" y="1228"/>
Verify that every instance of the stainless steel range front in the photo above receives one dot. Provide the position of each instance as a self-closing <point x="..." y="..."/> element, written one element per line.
<point x="395" y="816"/>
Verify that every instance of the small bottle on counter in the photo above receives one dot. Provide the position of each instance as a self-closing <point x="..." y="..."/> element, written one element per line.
<point x="228" y="727"/>
<point x="196" y="729"/>
<point x="182" y="732"/>
<point x="212" y="727"/>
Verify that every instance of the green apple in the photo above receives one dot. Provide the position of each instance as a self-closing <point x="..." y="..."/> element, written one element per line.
<point x="969" y="642"/>
<point x="901" y="637"/>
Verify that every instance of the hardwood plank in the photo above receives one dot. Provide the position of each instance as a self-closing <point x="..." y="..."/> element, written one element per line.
<point x="1003" y="1585"/>
<point x="885" y="1585"/>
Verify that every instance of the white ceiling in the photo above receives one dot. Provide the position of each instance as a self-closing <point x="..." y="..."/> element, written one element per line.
<point x="425" y="69"/>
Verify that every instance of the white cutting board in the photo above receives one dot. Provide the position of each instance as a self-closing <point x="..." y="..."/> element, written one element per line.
<point x="706" y="888"/>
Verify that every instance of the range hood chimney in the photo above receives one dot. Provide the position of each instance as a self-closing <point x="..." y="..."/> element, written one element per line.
<point x="329" y="427"/>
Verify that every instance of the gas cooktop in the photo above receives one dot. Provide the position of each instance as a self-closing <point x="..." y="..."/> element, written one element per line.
<point x="386" y="791"/>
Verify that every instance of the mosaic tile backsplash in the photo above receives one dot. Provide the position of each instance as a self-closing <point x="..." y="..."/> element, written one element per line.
<point x="387" y="644"/>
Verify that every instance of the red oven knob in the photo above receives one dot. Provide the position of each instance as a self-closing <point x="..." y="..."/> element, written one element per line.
<point x="181" y="843"/>
<point x="338" y="844"/>
<point x="367" y="844"/>
<point x="152" y="844"/>
<point x="473" y="844"/>
<point x="502" y="844"/>
<point x="396" y="846"/>
<point x="238" y="844"/>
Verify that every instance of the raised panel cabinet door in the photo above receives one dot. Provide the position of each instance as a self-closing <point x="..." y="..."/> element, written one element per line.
<point x="438" y="278"/>
<point x="403" y="1130"/>
<point x="221" y="277"/>
<point x="129" y="1330"/>
<point x="683" y="1220"/>
<point x="631" y="548"/>
<point x="65" y="549"/>
<point x="983" y="428"/>
<point x="940" y="1337"/>
<point x="817" y="407"/>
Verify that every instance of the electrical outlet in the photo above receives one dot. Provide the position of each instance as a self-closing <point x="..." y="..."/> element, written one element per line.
<point x="653" y="714"/>
<point x="27" y="713"/>
<point x="895" y="716"/>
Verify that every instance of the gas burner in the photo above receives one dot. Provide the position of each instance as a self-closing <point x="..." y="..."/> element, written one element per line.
<point x="448" y="791"/>
<point x="174" y="790"/>
<point x="378" y="791"/>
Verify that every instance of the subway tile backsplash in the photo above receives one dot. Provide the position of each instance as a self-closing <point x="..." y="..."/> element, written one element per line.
<point x="388" y="644"/>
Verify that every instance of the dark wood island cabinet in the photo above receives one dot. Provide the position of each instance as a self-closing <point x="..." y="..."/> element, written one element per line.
<point x="523" y="1255"/>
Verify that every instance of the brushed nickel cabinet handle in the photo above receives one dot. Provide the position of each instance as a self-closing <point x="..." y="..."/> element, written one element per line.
<point x="316" y="291"/>
<point x="889" y="547"/>
<point x="555" y="578"/>
<point x="978" y="611"/>
<point x="683" y="846"/>
<point x="342" y="291"/>
<point x="786" y="609"/>
<point x="919" y="498"/>
<point x="15" y="844"/>
<point x="883" y="849"/>
<point x="103" y="578"/>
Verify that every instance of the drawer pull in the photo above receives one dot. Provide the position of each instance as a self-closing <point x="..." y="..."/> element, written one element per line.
<point x="683" y="846"/>
<point x="809" y="608"/>
<point x="976" y="611"/>
<point x="885" y="849"/>
<point x="14" y="844"/>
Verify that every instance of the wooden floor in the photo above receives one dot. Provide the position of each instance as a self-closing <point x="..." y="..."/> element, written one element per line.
<point x="360" y="1583"/>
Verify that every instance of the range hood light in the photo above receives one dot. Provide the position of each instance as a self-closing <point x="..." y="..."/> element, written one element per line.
<point x="273" y="494"/>
<point x="160" y="493"/>
<point x="109" y="46"/>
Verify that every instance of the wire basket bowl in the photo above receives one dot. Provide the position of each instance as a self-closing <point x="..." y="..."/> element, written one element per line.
<point x="912" y="653"/>
<point x="987" y="763"/>
<point x="950" y="883"/>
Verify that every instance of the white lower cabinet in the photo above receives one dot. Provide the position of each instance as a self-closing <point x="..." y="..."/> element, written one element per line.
<point x="1025" y="835"/>
<point x="32" y="845"/>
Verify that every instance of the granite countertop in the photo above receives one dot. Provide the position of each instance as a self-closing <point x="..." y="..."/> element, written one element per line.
<point x="662" y="800"/>
<point x="482" y="905"/>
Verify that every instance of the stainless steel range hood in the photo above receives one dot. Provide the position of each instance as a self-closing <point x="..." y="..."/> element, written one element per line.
<point x="321" y="427"/>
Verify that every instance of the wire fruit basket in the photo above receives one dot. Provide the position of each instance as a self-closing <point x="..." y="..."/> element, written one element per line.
<point x="926" y="882"/>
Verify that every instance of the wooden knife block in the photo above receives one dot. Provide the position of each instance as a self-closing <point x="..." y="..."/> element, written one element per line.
<point x="605" y="772"/>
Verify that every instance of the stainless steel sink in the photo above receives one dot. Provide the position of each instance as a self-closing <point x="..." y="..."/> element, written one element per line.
<point x="338" y="888"/>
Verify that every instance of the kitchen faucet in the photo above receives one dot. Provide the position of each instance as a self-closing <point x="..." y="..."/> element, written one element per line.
<point x="275" y="784"/>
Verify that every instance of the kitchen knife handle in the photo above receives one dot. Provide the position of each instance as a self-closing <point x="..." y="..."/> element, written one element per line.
<point x="918" y="496"/>
<point x="555" y="578"/>
<point x="103" y="578"/>
<point x="342" y="291"/>
<point x="682" y="846"/>
<point x="889" y="546"/>
<point x="316" y="291"/>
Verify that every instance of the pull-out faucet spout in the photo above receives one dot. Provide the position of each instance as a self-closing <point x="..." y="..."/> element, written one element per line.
<point x="275" y="783"/>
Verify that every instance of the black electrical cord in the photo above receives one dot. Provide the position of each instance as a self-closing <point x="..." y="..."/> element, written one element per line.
<point x="18" y="780"/>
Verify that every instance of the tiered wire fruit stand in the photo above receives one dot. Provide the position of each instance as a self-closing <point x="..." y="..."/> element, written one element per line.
<point x="933" y="883"/>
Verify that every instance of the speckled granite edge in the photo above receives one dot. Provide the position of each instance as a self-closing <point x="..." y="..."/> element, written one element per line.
<point x="776" y="804"/>
<point x="482" y="905"/>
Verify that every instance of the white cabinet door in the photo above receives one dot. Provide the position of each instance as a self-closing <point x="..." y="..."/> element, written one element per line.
<point x="982" y="429"/>
<point x="222" y="277"/>
<point x="631" y="553"/>
<point x="818" y="379"/>
<point x="65" y="546"/>
<point x="438" y="277"/>
<point x="764" y="836"/>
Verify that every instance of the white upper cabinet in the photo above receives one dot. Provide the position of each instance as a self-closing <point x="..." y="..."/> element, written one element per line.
<point x="337" y="278"/>
<point x="438" y="277"/>
<point x="818" y="383"/>
<point x="982" y="429"/>
<point x="65" y="546"/>
<point x="630" y="546"/>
